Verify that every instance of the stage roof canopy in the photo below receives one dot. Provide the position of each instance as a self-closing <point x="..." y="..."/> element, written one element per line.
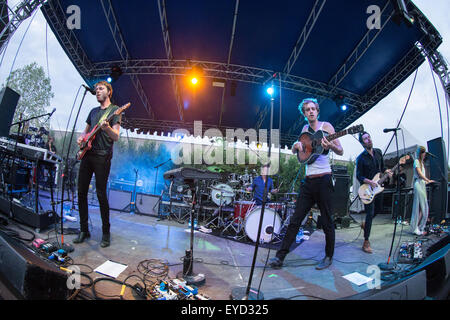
<point x="309" y="48"/>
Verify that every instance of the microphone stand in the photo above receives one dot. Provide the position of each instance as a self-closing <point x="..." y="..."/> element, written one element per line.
<point x="19" y="123"/>
<point x="256" y="294"/>
<point x="156" y="176"/>
<point x="64" y="246"/>
<point x="387" y="266"/>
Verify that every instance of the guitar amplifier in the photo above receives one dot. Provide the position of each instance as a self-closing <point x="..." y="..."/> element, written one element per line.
<point x="118" y="199"/>
<point x="147" y="204"/>
<point x="341" y="195"/>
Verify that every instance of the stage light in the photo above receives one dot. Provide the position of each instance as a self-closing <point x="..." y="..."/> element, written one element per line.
<point x="194" y="80"/>
<point x="339" y="100"/>
<point x="270" y="91"/>
<point x="258" y="145"/>
<point x="116" y="72"/>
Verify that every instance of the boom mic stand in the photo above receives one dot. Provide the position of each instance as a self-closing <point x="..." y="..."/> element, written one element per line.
<point x="386" y="266"/>
<point x="156" y="175"/>
<point x="238" y="293"/>
<point x="65" y="170"/>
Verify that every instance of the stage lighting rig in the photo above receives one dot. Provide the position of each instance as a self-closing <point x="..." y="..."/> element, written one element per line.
<point x="116" y="72"/>
<point x="340" y="102"/>
<point x="401" y="13"/>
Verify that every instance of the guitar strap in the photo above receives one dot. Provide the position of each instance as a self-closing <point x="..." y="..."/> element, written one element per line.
<point x="105" y="115"/>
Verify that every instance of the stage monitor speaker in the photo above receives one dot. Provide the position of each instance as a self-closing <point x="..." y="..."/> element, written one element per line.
<point x="147" y="204"/>
<point x="404" y="205"/>
<point x="8" y="103"/>
<point x="439" y="173"/>
<point x="118" y="199"/>
<point x="24" y="275"/>
<point x="412" y="288"/>
<point x="341" y="195"/>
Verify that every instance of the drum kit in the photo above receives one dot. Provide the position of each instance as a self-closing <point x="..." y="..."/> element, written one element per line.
<point x="236" y="215"/>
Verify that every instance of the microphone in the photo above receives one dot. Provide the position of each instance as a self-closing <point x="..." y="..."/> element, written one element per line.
<point x="390" y="129"/>
<point x="431" y="155"/>
<point x="92" y="91"/>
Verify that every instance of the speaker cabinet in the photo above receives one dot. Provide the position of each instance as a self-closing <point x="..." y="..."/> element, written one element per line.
<point x="8" y="103"/>
<point x="341" y="195"/>
<point x="404" y="204"/>
<point x="147" y="204"/>
<point x="118" y="199"/>
<point x="24" y="275"/>
<point x="438" y="172"/>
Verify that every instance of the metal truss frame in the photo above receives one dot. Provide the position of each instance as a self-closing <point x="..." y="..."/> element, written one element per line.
<point x="123" y="51"/>
<point x="21" y="12"/>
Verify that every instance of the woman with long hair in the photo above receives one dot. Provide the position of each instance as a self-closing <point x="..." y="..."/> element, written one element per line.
<point x="420" y="207"/>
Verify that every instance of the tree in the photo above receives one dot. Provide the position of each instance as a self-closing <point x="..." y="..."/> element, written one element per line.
<point x="35" y="94"/>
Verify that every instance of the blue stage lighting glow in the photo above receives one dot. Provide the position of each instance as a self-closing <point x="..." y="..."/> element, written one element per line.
<point x="343" y="107"/>
<point x="109" y="79"/>
<point x="270" y="90"/>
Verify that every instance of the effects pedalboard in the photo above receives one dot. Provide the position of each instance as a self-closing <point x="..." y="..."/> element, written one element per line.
<point x="176" y="289"/>
<point x="410" y="252"/>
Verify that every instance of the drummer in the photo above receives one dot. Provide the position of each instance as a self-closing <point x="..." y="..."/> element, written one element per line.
<point x="258" y="186"/>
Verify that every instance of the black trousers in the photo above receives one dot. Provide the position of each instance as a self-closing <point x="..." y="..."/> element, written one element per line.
<point x="312" y="191"/>
<point x="371" y="209"/>
<point x="99" y="165"/>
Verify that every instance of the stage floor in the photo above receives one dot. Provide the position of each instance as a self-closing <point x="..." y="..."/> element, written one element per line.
<point x="226" y="263"/>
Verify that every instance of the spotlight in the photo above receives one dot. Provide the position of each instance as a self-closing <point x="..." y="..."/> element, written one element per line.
<point x="194" y="80"/>
<point x="116" y="72"/>
<point x="270" y="91"/>
<point x="194" y="76"/>
<point x="258" y="145"/>
<point x="340" y="102"/>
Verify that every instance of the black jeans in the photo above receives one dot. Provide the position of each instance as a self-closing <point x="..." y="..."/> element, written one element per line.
<point x="100" y="165"/>
<point x="313" y="190"/>
<point x="370" y="209"/>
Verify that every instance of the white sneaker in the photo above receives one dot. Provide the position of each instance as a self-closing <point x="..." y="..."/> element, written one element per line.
<point x="417" y="232"/>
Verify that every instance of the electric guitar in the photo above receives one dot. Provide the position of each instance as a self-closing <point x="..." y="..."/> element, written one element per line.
<point x="311" y="142"/>
<point x="367" y="193"/>
<point x="86" y="143"/>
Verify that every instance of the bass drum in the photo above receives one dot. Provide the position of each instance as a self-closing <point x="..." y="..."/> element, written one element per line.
<point x="271" y="224"/>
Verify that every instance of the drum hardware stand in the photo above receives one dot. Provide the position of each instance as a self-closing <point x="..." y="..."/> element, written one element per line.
<point x="219" y="216"/>
<point x="188" y="260"/>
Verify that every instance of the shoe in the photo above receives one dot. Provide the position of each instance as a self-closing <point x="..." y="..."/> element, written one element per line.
<point x="81" y="237"/>
<point x="417" y="232"/>
<point x="275" y="263"/>
<point x="366" y="247"/>
<point x="105" y="241"/>
<point x="325" y="263"/>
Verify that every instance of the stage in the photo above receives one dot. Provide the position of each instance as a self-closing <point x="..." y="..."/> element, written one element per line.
<point x="226" y="263"/>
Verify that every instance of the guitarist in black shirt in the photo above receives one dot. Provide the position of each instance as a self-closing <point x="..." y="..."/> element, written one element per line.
<point x="368" y="164"/>
<point x="98" y="160"/>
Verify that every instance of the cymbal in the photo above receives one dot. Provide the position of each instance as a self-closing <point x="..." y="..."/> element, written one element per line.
<point x="214" y="169"/>
<point x="290" y="193"/>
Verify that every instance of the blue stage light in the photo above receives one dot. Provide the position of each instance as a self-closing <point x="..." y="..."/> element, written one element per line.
<point x="343" y="107"/>
<point x="109" y="79"/>
<point x="270" y="91"/>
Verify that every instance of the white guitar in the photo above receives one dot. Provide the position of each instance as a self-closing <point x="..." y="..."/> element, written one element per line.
<point x="367" y="193"/>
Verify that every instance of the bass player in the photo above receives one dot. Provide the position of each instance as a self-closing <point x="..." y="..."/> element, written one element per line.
<point x="315" y="188"/>
<point x="368" y="164"/>
<point x="98" y="160"/>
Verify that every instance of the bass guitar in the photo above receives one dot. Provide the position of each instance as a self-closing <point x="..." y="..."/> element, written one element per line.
<point x="86" y="143"/>
<point x="367" y="193"/>
<point x="312" y="146"/>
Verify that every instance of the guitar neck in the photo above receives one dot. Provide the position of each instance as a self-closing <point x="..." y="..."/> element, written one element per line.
<point x="336" y="135"/>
